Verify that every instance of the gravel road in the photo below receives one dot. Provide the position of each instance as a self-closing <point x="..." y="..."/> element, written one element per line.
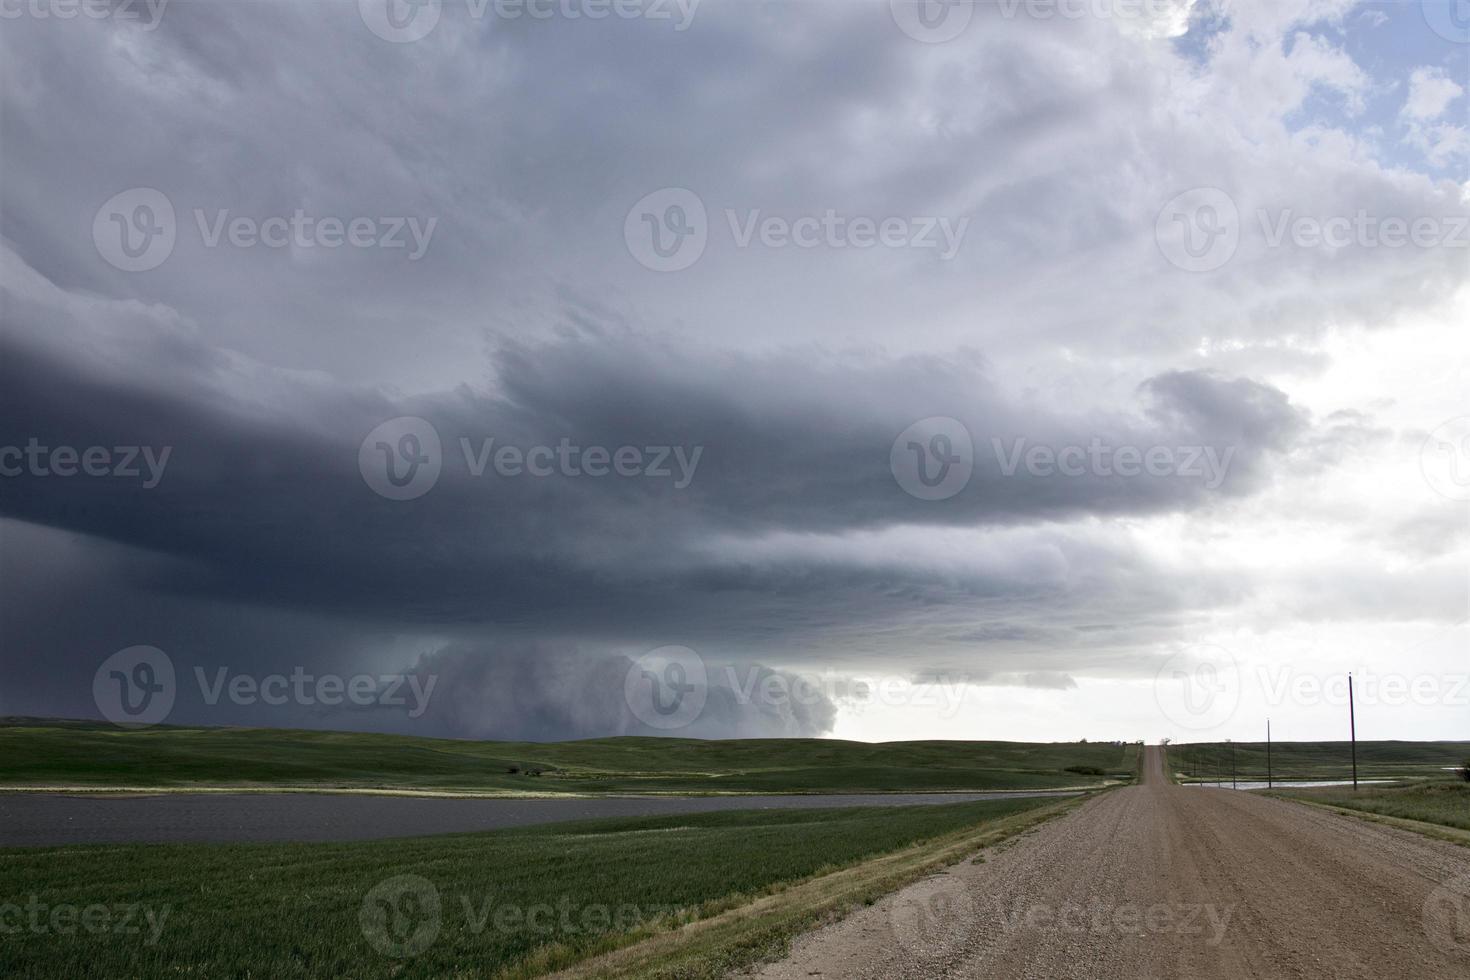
<point x="1163" y="881"/>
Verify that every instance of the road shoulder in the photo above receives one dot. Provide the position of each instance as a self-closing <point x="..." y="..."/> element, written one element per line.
<point x="1453" y="835"/>
<point x="742" y="937"/>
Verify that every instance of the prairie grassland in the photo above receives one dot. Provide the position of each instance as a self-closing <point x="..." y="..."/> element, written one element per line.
<point x="95" y="755"/>
<point x="1442" y="802"/>
<point x="507" y="903"/>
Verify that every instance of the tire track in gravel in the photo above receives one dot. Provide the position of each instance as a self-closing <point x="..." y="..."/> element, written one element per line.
<point x="1156" y="882"/>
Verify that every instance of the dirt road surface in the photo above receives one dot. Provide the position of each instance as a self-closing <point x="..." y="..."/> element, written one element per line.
<point x="1164" y="881"/>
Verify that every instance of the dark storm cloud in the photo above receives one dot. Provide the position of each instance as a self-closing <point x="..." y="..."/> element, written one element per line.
<point x="542" y="691"/>
<point x="1059" y="324"/>
<point x="271" y="506"/>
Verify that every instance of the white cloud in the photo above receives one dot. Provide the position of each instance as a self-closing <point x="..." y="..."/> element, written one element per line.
<point x="1430" y="93"/>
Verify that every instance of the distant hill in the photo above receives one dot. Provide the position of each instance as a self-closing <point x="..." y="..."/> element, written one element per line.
<point x="1318" y="760"/>
<point x="53" y="752"/>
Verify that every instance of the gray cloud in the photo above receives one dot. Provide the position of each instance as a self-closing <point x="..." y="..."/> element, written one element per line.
<point x="271" y="507"/>
<point x="1060" y="322"/>
<point x="539" y="691"/>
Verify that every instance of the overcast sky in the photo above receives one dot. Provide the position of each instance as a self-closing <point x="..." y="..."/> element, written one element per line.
<point x="864" y="369"/>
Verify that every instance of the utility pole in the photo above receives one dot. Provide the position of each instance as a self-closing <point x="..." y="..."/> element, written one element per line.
<point x="1353" y="726"/>
<point x="1232" y="763"/>
<point x="1268" y="753"/>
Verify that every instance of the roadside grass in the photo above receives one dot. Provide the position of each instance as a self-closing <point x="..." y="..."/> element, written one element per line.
<point x="1132" y="759"/>
<point x="85" y="754"/>
<point x="761" y="931"/>
<point x="1439" y="802"/>
<point x="511" y="903"/>
<point x="1317" y="760"/>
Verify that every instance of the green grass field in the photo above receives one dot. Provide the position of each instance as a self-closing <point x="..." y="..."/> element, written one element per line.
<point x="509" y="903"/>
<point x="1445" y="802"/>
<point x="87" y="754"/>
<point x="1318" y="760"/>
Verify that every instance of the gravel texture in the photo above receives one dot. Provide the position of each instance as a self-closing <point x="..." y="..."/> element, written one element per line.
<point x="1163" y="881"/>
